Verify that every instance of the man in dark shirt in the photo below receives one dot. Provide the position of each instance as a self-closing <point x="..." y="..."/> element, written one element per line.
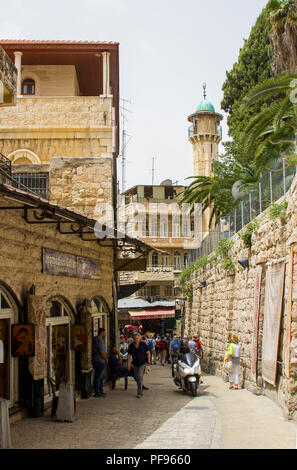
<point x="100" y="361"/>
<point x="140" y="353"/>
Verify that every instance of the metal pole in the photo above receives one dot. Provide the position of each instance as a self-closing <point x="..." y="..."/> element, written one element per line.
<point x="270" y="181"/>
<point x="242" y="219"/>
<point x="260" y="197"/>
<point x="284" y="176"/>
<point x="250" y="204"/>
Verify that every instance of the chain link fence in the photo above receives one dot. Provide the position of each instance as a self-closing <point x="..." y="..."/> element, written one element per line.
<point x="272" y="186"/>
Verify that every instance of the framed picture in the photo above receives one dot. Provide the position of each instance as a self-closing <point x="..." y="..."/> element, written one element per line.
<point x="79" y="337"/>
<point x="22" y="340"/>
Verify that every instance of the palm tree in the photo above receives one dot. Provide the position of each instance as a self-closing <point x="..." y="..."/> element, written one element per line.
<point x="283" y="35"/>
<point x="218" y="192"/>
<point x="272" y="131"/>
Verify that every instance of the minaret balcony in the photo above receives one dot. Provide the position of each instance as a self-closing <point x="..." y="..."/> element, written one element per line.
<point x="193" y="131"/>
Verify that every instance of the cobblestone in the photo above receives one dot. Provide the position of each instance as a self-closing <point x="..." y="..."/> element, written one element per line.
<point x="165" y="418"/>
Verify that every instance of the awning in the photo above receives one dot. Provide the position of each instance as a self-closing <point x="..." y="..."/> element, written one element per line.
<point x="152" y="314"/>
<point x="125" y="290"/>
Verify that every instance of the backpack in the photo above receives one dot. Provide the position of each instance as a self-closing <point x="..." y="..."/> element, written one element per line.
<point x="150" y="343"/>
<point x="162" y="345"/>
<point x="198" y="344"/>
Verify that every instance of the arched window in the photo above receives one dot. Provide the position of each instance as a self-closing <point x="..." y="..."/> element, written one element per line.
<point x="28" y="87"/>
<point x="165" y="260"/>
<point x="187" y="259"/>
<point x="100" y="317"/>
<point x="155" y="259"/>
<point x="177" y="261"/>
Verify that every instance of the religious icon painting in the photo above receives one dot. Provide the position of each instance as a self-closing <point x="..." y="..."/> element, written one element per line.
<point x="79" y="337"/>
<point x="23" y="340"/>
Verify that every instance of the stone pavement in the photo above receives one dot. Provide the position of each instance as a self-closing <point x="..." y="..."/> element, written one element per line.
<point x="164" y="418"/>
<point x="220" y="418"/>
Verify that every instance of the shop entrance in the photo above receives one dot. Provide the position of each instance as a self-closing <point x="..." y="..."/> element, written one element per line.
<point x="58" y="354"/>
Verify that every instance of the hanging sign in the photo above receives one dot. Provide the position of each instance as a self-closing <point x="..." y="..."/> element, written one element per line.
<point x="63" y="264"/>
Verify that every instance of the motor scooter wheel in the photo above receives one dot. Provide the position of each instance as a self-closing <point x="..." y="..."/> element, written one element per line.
<point x="193" y="388"/>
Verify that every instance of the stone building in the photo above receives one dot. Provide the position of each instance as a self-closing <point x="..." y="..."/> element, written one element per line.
<point x="151" y="213"/>
<point x="58" y="149"/>
<point x="53" y="277"/>
<point x="67" y="108"/>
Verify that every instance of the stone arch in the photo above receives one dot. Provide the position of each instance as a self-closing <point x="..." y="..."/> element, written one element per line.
<point x="22" y="154"/>
<point x="66" y="303"/>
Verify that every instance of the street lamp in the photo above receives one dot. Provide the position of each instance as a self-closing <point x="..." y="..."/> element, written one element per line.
<point x="244" y="263"/>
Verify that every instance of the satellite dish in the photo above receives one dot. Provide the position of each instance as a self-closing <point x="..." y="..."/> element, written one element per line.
<point x="166" y="183"/>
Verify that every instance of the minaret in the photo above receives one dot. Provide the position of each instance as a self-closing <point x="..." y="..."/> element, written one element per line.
<point x="205" y="134"/>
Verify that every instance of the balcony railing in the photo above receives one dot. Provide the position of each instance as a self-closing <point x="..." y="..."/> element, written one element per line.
<point x="194" y="130"/>
<point x="162" y="268"/>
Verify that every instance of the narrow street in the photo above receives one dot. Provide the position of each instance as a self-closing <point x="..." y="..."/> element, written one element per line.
<point x="164" y="418"/>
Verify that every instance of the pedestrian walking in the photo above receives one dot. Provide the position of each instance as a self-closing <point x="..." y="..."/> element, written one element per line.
<point x="162" y="351"/>
<point x="234" y="354"/>
<point x="153" y="351"/>
<point x="192" y="345"/>
<point x="100" y="361"/>
<point x="168" y="341"/>
<point x="141" y="357"/>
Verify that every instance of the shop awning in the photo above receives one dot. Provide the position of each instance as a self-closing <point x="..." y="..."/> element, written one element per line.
<point x="152" y="314"/>
<point x="126" y="290"/>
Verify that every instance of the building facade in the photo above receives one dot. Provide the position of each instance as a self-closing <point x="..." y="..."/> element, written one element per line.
<point x="152" y="214"/>
<point x="58" y="274"/>
<point x="67" y="107"/>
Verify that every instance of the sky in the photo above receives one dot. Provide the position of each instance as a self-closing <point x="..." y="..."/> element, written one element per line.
<point x="168" y="48"/>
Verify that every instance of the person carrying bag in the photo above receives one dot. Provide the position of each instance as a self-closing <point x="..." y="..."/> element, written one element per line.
<point x="232" y="362"/>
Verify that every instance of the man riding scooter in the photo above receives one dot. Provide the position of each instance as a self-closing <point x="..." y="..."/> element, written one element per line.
<point x="173" y="351"/>
<point x="187" y="370"/>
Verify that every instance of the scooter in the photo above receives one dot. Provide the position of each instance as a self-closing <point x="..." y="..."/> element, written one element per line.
<point x="187" y="373"/>
<point x="124" y="357"/>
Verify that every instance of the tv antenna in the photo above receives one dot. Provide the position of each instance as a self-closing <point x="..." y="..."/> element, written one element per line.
<point x="125" y="141"/>
<point x="153" y="171"/>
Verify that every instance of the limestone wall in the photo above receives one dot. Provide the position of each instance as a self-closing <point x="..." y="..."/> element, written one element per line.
<point x="226" y="305"/>
<point x="81" y="184"/>
<point x="74" y="126"/>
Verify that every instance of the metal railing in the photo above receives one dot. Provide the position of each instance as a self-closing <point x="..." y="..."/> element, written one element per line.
<point x="194" y="130"/>
<point x="165" y="268"/>
<point x="272" y="186"/>
<point x="5" y="164"/>
<point x="13" y="180"/>
<point x="34" y="182"/>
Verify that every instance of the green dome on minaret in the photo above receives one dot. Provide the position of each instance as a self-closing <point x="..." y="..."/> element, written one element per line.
<point x="205" y="105"/>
